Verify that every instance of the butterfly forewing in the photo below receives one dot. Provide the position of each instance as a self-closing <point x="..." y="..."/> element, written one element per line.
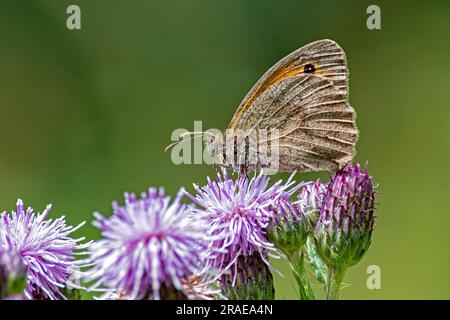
<point x="304" y="96"/>
<point x="325" y="56"/>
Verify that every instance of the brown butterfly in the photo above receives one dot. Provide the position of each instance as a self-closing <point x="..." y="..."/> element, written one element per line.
<point x="305" y="98"/>
<point x="301" y="104"/>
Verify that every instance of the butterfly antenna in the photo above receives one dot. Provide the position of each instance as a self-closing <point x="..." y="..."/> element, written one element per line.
<point x="173" y="144"/>
<point x="170" y="146"/>
<point x="193" y="135"/>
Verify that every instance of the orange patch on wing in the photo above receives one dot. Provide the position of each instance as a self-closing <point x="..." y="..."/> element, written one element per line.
<point x="281" y="75"/>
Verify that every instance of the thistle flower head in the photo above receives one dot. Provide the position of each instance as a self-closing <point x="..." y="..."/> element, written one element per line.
<point x="149" y="246"/>
<point x="40" y="248"/>
<point x="349" y="200"/>
<point x="237" y="212"/>
<point x="344" y="227"/>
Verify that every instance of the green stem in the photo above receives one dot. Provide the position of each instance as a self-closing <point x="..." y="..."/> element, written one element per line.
<point x="334" y="282"/>
<point x="297" y="262"/>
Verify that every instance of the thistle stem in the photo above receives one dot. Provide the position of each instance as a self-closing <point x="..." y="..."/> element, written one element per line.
<point x="334" y="282"/>
<point x="297" y="262"/>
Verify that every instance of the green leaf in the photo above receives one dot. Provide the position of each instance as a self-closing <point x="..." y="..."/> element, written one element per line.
<point x="316" y="264"/>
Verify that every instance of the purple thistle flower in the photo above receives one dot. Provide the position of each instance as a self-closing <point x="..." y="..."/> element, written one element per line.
<point x="349" y="200"/>
<point x="43" y="249"/>
<point x="238" y="213"/>
<point x="344" y="227"/>
<point x="149" y="247"/>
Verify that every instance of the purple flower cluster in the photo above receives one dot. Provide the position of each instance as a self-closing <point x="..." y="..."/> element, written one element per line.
<point x="155" y="248"/>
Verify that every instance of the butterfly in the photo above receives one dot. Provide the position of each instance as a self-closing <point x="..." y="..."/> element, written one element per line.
<point x="302" y="102"/>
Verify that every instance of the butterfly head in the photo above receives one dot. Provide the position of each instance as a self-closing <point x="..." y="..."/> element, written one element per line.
<point x="215" y="146"/>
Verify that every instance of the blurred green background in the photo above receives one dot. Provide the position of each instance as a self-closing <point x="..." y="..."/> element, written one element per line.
<point x="85" y="115"/>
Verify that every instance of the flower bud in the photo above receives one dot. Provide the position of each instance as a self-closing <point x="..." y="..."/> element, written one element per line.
<point x="289" y="228"/>
<point x="344" y="227"/>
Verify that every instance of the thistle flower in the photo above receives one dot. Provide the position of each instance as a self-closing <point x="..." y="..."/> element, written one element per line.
<point x="149" y="246"/>
<point x="344" y="228"/>
<point x="237" y="213"/>
<point x="43" y="249"/>
<point x="346" y="219"/>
